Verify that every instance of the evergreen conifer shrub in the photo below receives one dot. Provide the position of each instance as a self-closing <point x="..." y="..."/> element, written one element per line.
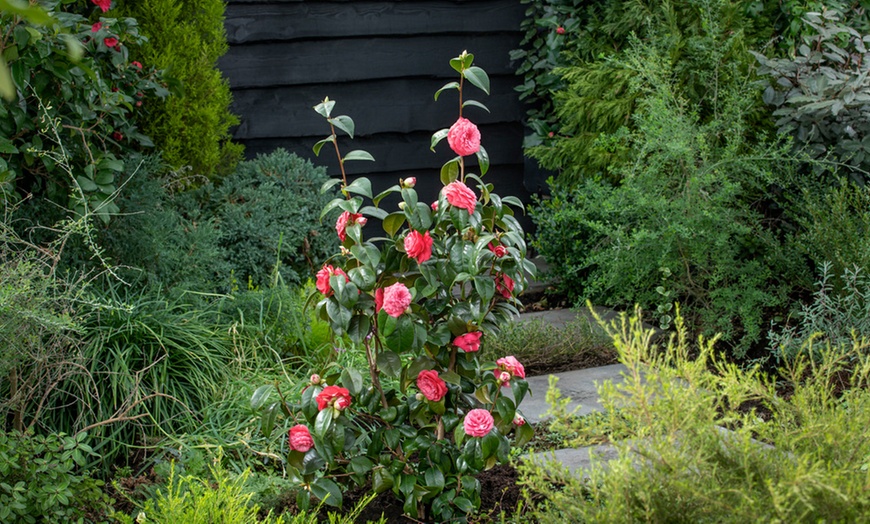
<point x="186" y="38"/>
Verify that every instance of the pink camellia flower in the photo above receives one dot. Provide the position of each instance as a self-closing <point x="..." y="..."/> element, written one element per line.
<point x="379" y="299"/>
<point x="345" y="219"/>
<point x="519" y="420"/>
<point x="459" y="195"/>
<point x="431" y="385"/>
<point x="300" y="438"/>
<point x="478" y="423"/>
<point x="418" y="246"/>
<point x="504" y="285"/>
<point x="397" y="298"/>
<point x="110" y="41"/>
<point x="96" y="27"/>
<point x="464" y="137"/>
<point x="560" y="30"/>
<point x="469" y="342"/>
<point x="499" y="250"/>
<point x="104" y="5"/>
<point x="137" y="65"/>
<point x="323" y="278"/>
<point x="508" y="368"/>
<point x="335" y="396"/>
<point x="315" y="379"/>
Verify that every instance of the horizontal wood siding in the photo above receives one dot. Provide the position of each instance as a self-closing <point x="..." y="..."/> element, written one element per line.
<point x="382" y="63"/>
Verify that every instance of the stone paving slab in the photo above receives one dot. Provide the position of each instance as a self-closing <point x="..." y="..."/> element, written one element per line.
<point x="577" y="461"/>
<point x="579" y="386"/>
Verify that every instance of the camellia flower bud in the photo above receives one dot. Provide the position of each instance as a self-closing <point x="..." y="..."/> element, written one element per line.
<point x="419" y="396"/>
<point x="408" y="183"/>
<point x="402" y="206"/>
<point x="315" y="379"/>
<point x="560" y="30"/>
<point x="519" y="420"/>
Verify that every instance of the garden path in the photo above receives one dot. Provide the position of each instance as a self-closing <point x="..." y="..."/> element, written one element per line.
<point x="578" y="385"/>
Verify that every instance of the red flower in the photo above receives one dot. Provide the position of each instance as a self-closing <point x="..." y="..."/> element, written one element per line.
<point x="300" y="438"/>
<point x="504" y="285"/>
<point x="419" y="246"/>
<point x="104" y="5"/>
<point x="379" y="299"/>
<point x="323" y="278"/>
<point x="459" y="195"/>
<point x="96" y="27"/>
<point x="137" y="65"/>
<point x="464" y="137"/>
<point x="117" y="136"/>
<point x="110" y="41"/>
<point x="560" y="30"/>
<point x="334" y="396"/>
<point x="345" y="219"/>
<point x="431" y="385"/>
<point x="397" y="298"/>
<point x="478" y="423"/>
<point x="499" y="250"/>
<point x="469" y="342"/>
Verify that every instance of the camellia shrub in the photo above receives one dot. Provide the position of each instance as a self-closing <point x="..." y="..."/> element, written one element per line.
<point x="424" y="415"/>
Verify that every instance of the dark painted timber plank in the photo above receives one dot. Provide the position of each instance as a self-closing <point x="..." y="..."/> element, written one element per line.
<point x="399" y="153"/>
<point x="246" y="23"/>
<point x="378" y="106"/>
<point x="266" y="65"/>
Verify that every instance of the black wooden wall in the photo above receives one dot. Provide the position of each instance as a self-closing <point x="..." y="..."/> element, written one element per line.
<point x="382" y="62"/>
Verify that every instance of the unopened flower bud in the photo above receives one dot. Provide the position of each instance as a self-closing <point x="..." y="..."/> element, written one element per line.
<point x="362" y="220"/>
<point x="419" y="396"/>
<point x="315" y="379"/>
<point x="344" y="251"/>
<point x="504" y="377"/>
<point x="402" y="206"/>
<point x="408" y="183"/>
<point x="434" y="206"/>
<point x="519" y="420"/>
<point x="560" y="30"/>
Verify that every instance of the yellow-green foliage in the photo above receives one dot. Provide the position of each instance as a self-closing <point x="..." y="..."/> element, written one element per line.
<point x="225" y="499"/>
<point x="802" y="456"/>
<point x="186" y="37"/>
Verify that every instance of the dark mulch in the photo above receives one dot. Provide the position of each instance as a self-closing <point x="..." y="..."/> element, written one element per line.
<point x="499" y="493"/>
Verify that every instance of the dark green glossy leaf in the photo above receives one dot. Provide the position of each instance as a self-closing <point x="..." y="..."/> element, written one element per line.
<point x="389" y="363"/>
<point x="327" y="491"/>
<point x="477" y="77"/>
<point x="359" y="154"/>
<point x="343" y="122"/>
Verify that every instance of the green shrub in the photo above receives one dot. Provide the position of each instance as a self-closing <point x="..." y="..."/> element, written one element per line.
<point x="822" y="94"/>
<point x="267" y="213"/>
<point x="43" y="480"/>
<point x="834" y="226"/>
<point x="688" y="222"/>
<point x="186" y="38"/>
<point x="836" y="317"/>
<point x="584" y="73"/>
<point x="74" y="117"/>
<point x="153" y="242"/>
<point x="802" y="457"/>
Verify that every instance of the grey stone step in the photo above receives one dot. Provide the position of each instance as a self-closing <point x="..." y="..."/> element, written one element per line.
<point x="579" y="386"/>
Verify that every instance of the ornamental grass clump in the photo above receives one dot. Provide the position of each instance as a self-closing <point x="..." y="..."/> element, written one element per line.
<point x="426" y="414"/>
